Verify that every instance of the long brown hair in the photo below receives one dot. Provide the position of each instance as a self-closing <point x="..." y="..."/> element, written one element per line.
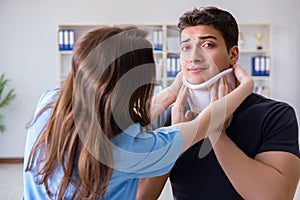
<point x="109" y="88"/>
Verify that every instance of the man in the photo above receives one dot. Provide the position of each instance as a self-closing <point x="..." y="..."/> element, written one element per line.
<point x="257" y="156"/>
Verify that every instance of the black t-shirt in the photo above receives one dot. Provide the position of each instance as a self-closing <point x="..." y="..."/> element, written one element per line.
<point x="258" y="125"/>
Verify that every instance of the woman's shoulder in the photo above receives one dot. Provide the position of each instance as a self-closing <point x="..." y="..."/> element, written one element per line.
<point x="46" y="98"/>
<point x="49" y="95"/>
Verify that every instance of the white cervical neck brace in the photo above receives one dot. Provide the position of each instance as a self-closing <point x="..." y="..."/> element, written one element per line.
<point x="199" y="95"/>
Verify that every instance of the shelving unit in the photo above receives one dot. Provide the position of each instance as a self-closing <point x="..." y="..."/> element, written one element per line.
<point x="248" y="45"/>
<point x="65" y="55"/>
<point x="165" y="40"/>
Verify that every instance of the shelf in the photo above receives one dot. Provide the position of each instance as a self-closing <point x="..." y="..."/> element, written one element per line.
<point x="158" y="52"/>
<point x="261" y="78"/>
<point x="66" y="52"/>
<point x="250" y="51"/>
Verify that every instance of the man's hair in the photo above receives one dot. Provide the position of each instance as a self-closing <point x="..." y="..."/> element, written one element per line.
<point x="218" y="19"/>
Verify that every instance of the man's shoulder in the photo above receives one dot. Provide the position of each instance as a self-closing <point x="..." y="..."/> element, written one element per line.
<point x="257" y="100"/>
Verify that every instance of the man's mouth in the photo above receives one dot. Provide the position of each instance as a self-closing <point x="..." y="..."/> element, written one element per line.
<point x="197" y="69"/>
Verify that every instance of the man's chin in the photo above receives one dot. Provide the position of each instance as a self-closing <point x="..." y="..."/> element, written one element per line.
<point x="195" y="81"/>
<point x="198" y="79"/>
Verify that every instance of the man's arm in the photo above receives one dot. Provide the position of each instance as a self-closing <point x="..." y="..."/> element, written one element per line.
<point x="275" y="171"/>
<point x="151" y="188"/>
<point x="271" y="175"/>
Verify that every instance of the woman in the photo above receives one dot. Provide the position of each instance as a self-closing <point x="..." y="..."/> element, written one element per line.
<point x="89" y="139"/>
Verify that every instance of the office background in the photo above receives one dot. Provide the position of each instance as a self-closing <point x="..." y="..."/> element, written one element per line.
<point x="29" y="56"/>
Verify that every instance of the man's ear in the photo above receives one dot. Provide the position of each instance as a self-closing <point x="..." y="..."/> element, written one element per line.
<point x="234" y="54"/>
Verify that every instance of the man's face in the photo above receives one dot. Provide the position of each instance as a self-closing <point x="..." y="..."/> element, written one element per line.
<point x="203" y="53"/>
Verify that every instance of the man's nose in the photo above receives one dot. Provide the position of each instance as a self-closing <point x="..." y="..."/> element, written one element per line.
<point x="197" y="55"/>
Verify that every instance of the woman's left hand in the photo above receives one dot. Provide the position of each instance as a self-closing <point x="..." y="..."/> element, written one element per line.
<point x="178" y="114"/>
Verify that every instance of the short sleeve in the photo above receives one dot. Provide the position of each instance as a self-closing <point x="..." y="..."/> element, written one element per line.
<point x="31" y="189"/>
<point x="46" y="98"/>
<point x="280" y="130"/>
<point x="39" y="122"/>
<point x="146" y="154"/>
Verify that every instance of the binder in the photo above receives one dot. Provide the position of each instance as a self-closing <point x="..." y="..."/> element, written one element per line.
<point x="71" y="39"/>
<point x="260" y="66"/>
<point x="61" y="40"/>
<point x="160" y="39"/>
<point x="157" y="39"/>
<point x="173" y="66"/>
<point x="267" y="65"/>
<point x="66" y="40"/>
<point x="169" y="68"/>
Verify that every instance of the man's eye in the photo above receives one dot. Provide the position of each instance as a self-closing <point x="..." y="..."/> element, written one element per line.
<point x="205" y="45"/>
<point x="185" y="48"/>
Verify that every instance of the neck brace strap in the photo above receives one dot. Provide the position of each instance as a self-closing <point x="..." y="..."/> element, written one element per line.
<point x="199" y="95"/>
<point x="207" y="83"/>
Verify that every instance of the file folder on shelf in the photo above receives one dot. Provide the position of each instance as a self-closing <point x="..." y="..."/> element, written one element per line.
<point x="260" y="66"/>
<point x="66" y="39"/>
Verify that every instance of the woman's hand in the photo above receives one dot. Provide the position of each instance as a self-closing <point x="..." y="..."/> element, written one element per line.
<point x="162" y="100"/>
<point x="178" y="115"/>
<point x="218" y="90"/>
<point x="176" y="85"/>
<point x="243" y="78"/>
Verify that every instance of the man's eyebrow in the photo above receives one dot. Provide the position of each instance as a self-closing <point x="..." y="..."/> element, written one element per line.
<point x="186" y="40"/>
<point x="207" y="37"/>
<point x="200" y="37"/>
